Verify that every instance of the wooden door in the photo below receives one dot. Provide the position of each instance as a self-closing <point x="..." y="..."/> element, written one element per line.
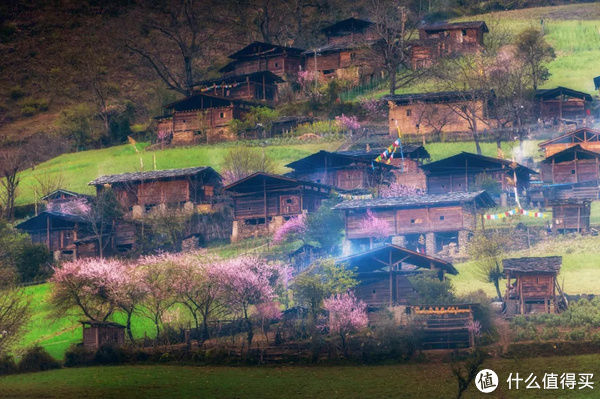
<point x="289" y="204"/>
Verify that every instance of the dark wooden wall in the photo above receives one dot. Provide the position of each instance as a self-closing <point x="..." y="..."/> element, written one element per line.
<point x="571" y="216"/>
<point x="575" y="171"/>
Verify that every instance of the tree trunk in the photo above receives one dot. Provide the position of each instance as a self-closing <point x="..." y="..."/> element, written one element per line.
<point x="497" y="285"/>
<point x="476" y="137"/>
<point x="393" y="81"/>
<point x="129" y="333"/>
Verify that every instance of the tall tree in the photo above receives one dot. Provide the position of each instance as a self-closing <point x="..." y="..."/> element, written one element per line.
<point x="534" y="50"/>
<point x="180" y="38"/>
<point x="14" y="158"/>
<point x="394" y="26"/>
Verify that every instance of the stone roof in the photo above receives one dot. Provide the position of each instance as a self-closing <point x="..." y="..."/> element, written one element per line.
<point x="153" y="175"/>
<point x="545" y="264"/>
<point x="482" y="199"/>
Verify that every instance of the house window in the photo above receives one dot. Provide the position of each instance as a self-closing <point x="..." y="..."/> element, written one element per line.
<point x="572" y="171"/>
<point x="222" y="115"/>
<point x="442" y="217"/>
<point x="408" y="112"/>
<point x="412" y="221"/>
<point x="277" y="65"/>
<point x="464" y="32"/>
<point x="328" y="71"/>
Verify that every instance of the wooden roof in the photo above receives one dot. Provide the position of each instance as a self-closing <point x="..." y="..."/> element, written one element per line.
<point x="262" y="49"/>
<point x="545" y="264"/>
<point x="441" y="26"/>
<point x="268" y="76"/>
<point x="481" y="199"/>
<point x="415" y="151"/>
<point x="322" y="159"/>
<point x="380" y="257"/>
<point x="166" y="174"/>
<point x="257" y="180"/>
<point x="56" y="194"/>
<point x="546" y="94"/>
<point x="580" y="135"/>
<point x="94" y="323"/>
<point x="346" y="27"/>
<point x="39" y="222"/>
<point x="457" y="163"/>
<point x="435" y="98"/>
<point x="204" y="101"/>
<point x="568" y="154"/>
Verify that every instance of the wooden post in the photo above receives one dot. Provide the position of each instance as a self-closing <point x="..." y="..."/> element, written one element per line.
<point x="466" y="175"/>
<point x="553" y="180"/>
<point x="521" y="302"/>
<point x="264" y="90"/>
<point x="579" y="219"/>
<point x="576" y="169"/>
<point x="48" y="232"/>
<point x="391" y="278"/>
<point x="265" y="200"/>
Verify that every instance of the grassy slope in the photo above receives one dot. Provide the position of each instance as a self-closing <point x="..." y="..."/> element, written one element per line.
<point x="433" y="380"/>
<point x="76" y="170"/>
<point x="579" y="273"/>
<point x="573" y="30"/>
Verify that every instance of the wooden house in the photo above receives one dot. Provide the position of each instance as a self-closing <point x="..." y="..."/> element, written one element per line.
<point x="345" y="54"/>
<point x="465" y="172"/>
<point x="572" y="165"/>
<point x="562" y="103"/>
<point x="444" y="326"/>
<point x="201" y="118"/>
<point x="263" y="202"/>
<point x="256" y="86"/>
<point x="426" y="223"/>
<point x="570" y="215"/>
<point x="531" y="284"/>
<point x="442" y="39"/>
<point x="258" y="56"/>
<point x="138" y="192"/>
<point x="58" y="231"/>
<point x="346" y="171"/>
<point x="429" y="114"/>
<point x="383" y="274"/>
<point x="407" y="161"/>
<point x="584" y="137"/>
<point x="99" y="333"/>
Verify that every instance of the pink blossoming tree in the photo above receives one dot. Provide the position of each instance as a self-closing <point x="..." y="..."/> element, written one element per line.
<point x="376" y="228"/>
<point x="346" y="314"/>
<point x="347" y="123"/>
<point x="294" y="227"/>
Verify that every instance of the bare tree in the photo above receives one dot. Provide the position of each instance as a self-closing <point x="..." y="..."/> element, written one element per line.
<point x="102" y="215"/>
<point x="394" y="27"/>
<point x="14" y="314"/>
<point x="534" y="50"/>
<point x="13" y="159"/>
<point x="179" y="36"/>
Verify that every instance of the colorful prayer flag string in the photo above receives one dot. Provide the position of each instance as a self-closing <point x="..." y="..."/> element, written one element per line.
<point x="512" y="212"/>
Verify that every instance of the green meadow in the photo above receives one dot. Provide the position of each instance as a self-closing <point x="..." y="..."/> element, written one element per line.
<point x="431" y="380"/>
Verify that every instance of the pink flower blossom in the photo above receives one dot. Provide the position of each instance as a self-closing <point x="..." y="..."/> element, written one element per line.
<point x="347" y="122"/>
<point x="346" y="313"/>
<point x="294" y="226"/>
<point x="375" y="227"/>
<point x="268" y="310"/>
<point x="398" y="190"/>
<point x="78" y="206"/>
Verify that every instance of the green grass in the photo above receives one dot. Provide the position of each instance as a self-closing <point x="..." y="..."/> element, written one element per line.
<point x="431" y="380"/>
<point x="76" y="170"/>
<point x="579" y="274"/>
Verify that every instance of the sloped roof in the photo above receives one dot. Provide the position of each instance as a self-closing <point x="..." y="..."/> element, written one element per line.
<point x="437" y="97"/>
<point x="256" y="180"/>
<point x="318" y="160"/>
<point x="35" y="222"/>
<point x="457" y="162"/>
<point x="56" y="193"/>
<point x="455" y="25"/>
<point x="568" y="154"/>
<point x="367" y="261"/>
<point x="545" y="264"/>
<point x="154" y="175"/>
<point x="256" y="49"/>
<point x="560" y="90"/>
<point x="269" y="77"/>
<point x="409" y="151"/>
<point x="481" y="198"/>
<point x="346" y="26"/>
<point x="203" y="101"/>
<point x="569" y="135"/>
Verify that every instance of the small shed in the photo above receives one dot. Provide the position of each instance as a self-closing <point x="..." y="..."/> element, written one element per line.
<point x="572" y="165"/>
<point x="260" y="86"/>
<point x="562" y="103"/>
<point x="531" y="284"/>
<point x="99" y="333"/>
<point x="383" y="273"/>
<point x="571" y="215"/>
<point x="585" y="137"/>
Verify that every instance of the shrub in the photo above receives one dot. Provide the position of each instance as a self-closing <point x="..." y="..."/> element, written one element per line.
<point x="7" y="365"/>
<point x="31" y="106"/>
<point x="37" y="359"/>
<point x="33" y="262"/>
<point x="78" y="355"/>
<point x="526" y="333"/>
<point x="549" y="333"/>
<point x="576" y="335"/>
<point x="109" y="354"/>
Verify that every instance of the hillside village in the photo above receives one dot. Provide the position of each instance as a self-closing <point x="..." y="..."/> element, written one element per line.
<point x="423" y="164"/>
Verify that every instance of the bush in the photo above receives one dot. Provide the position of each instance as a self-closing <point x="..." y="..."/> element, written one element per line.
<point x="549" y="333"/>
<point x="576" y="335"/>
<point x="7" y="365"/>
<point x="37" y="359"/>
<point x="33" y="262"/>
<point x="78" y="355"/>
<point x="31" y="106"/>
<point x="109" y="354"/>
